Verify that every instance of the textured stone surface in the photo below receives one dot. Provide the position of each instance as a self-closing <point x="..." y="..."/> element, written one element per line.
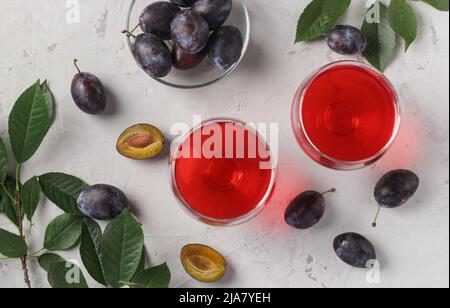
<point x="412" y="242"/>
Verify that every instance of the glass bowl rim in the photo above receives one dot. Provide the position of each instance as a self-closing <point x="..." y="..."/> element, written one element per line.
<point x="211" y="221"/>
<point x="297" y="119"/>
<point x="128" y="25"/>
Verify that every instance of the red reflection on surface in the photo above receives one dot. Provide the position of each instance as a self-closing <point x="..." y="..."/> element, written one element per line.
<point x="405" y="151"/>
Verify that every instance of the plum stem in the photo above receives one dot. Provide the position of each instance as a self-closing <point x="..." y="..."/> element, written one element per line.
<point x="128" y="33"/>
<point x="374" y="223"/>
<point x="20" y="217"/>
<point x="333" y="190"/>
<point x="75" y="62"/>
<point x="131" y="33"/>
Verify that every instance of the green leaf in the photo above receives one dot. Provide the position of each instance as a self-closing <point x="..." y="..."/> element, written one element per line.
<point x="441" y="5"/>
<point x="46" y="260"/>
<point x="319" y="17"/>
<point x="403" y="20"/>
<point x="381" y="39"/>
<point x="28" y="123"/>
<point x="66" y="275"/>
<point x="49" y="100"/>
<point x="122" y="245"/>
<point x="3" y="161"/>
<point x="12" y="245"/>
<point x="155" y="277"/>
<point x="63" y="232"/>
<point x="142" y="263"/>
<point x="63" y="190"/>
<point x="31" y="195"/>
<point x="91" y="250"/>
<point x="7" y="207"/>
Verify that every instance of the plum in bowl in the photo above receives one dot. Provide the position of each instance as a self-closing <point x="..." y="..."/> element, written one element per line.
<point x="188" y="44"/>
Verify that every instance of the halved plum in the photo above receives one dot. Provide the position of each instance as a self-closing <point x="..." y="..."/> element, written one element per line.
<point x="203" y="263"/>
<point x="141" y="141"/>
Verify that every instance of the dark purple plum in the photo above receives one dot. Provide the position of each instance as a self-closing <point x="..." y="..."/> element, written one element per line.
<point x="225" y="47"/>
<point x="183" y="3"/>
<point x="157" y="17"/>
<point x="216" y="12"/>
<point x="153" y="55"/>
<point x="306" y="210"/>
<point x="190" y="31"/>
<point x="354" y="249"/>
<point x="185" y="61"/>
<point x="88" y="92"/>
<point x="394" y="189"/>
<point x="346" y="40"/>
<point x="102" y="202"/>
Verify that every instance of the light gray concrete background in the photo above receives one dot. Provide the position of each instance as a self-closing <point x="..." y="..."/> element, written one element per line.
<point x="412" y="242"/>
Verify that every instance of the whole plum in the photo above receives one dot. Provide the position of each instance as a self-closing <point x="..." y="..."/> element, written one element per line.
<point x="185" y="61"/>
<point x="190" y="31"/>
<point x="395" y="188"/>
<point x="354" y="250"/>
<point x="225" y="47"/>
<point x="183" y="3"/>
<point x="102" y="202"/>
<point x="346" y="40"/>
<point x="88" y="92"/>
<point x="153" y="55"/>
<point x="157" y="17"/>
<point x="306" y="210"/>
<point x="216" y="12"/>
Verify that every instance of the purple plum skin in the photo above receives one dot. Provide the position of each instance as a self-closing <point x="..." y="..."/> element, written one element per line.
<point x="216" y="12"/>
<point x="153" y="55"/>
<point x="225" y="47"/>
<point x="88" y="93"/>
<point x="183" y="3"/>
<point x="102" y="202"/>
<point x="306" y="210"/>
<point x="354" y="250"/>
<point x="346" y="40"/>
<point x="395" y="188"/>
<point x="157" y="17"/>
<point x="184" y="61"/>
<point x="190" y="31"/>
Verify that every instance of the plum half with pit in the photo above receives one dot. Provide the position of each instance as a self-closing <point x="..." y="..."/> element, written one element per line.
<point x="216" y="12"/>
<point x="203" y="263"/>
<point x="225" y="47"/>
<point x="157" y="17"/>
<point x="88" y="92"/>
<point x="102" y="202"/>
<point x="185" y="61"/>
<point x="190" y="31"/>
<point x="153" y="55"/>
<point x="141" y="141"/>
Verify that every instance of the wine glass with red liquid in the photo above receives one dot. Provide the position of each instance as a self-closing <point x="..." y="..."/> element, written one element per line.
<point x="346" y="116"/>
<point x="223" y="172"/>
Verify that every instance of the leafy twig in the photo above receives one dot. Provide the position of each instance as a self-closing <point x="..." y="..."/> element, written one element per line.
<point x="396" y="19"/>
<point x="20" y="214"/>
<point x="100" y="251"/>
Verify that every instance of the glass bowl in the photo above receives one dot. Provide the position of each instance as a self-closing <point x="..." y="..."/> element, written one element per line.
<point x="176" y="152"/>
<point x="205" y="73"/>
<point x="305" y="141"/>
